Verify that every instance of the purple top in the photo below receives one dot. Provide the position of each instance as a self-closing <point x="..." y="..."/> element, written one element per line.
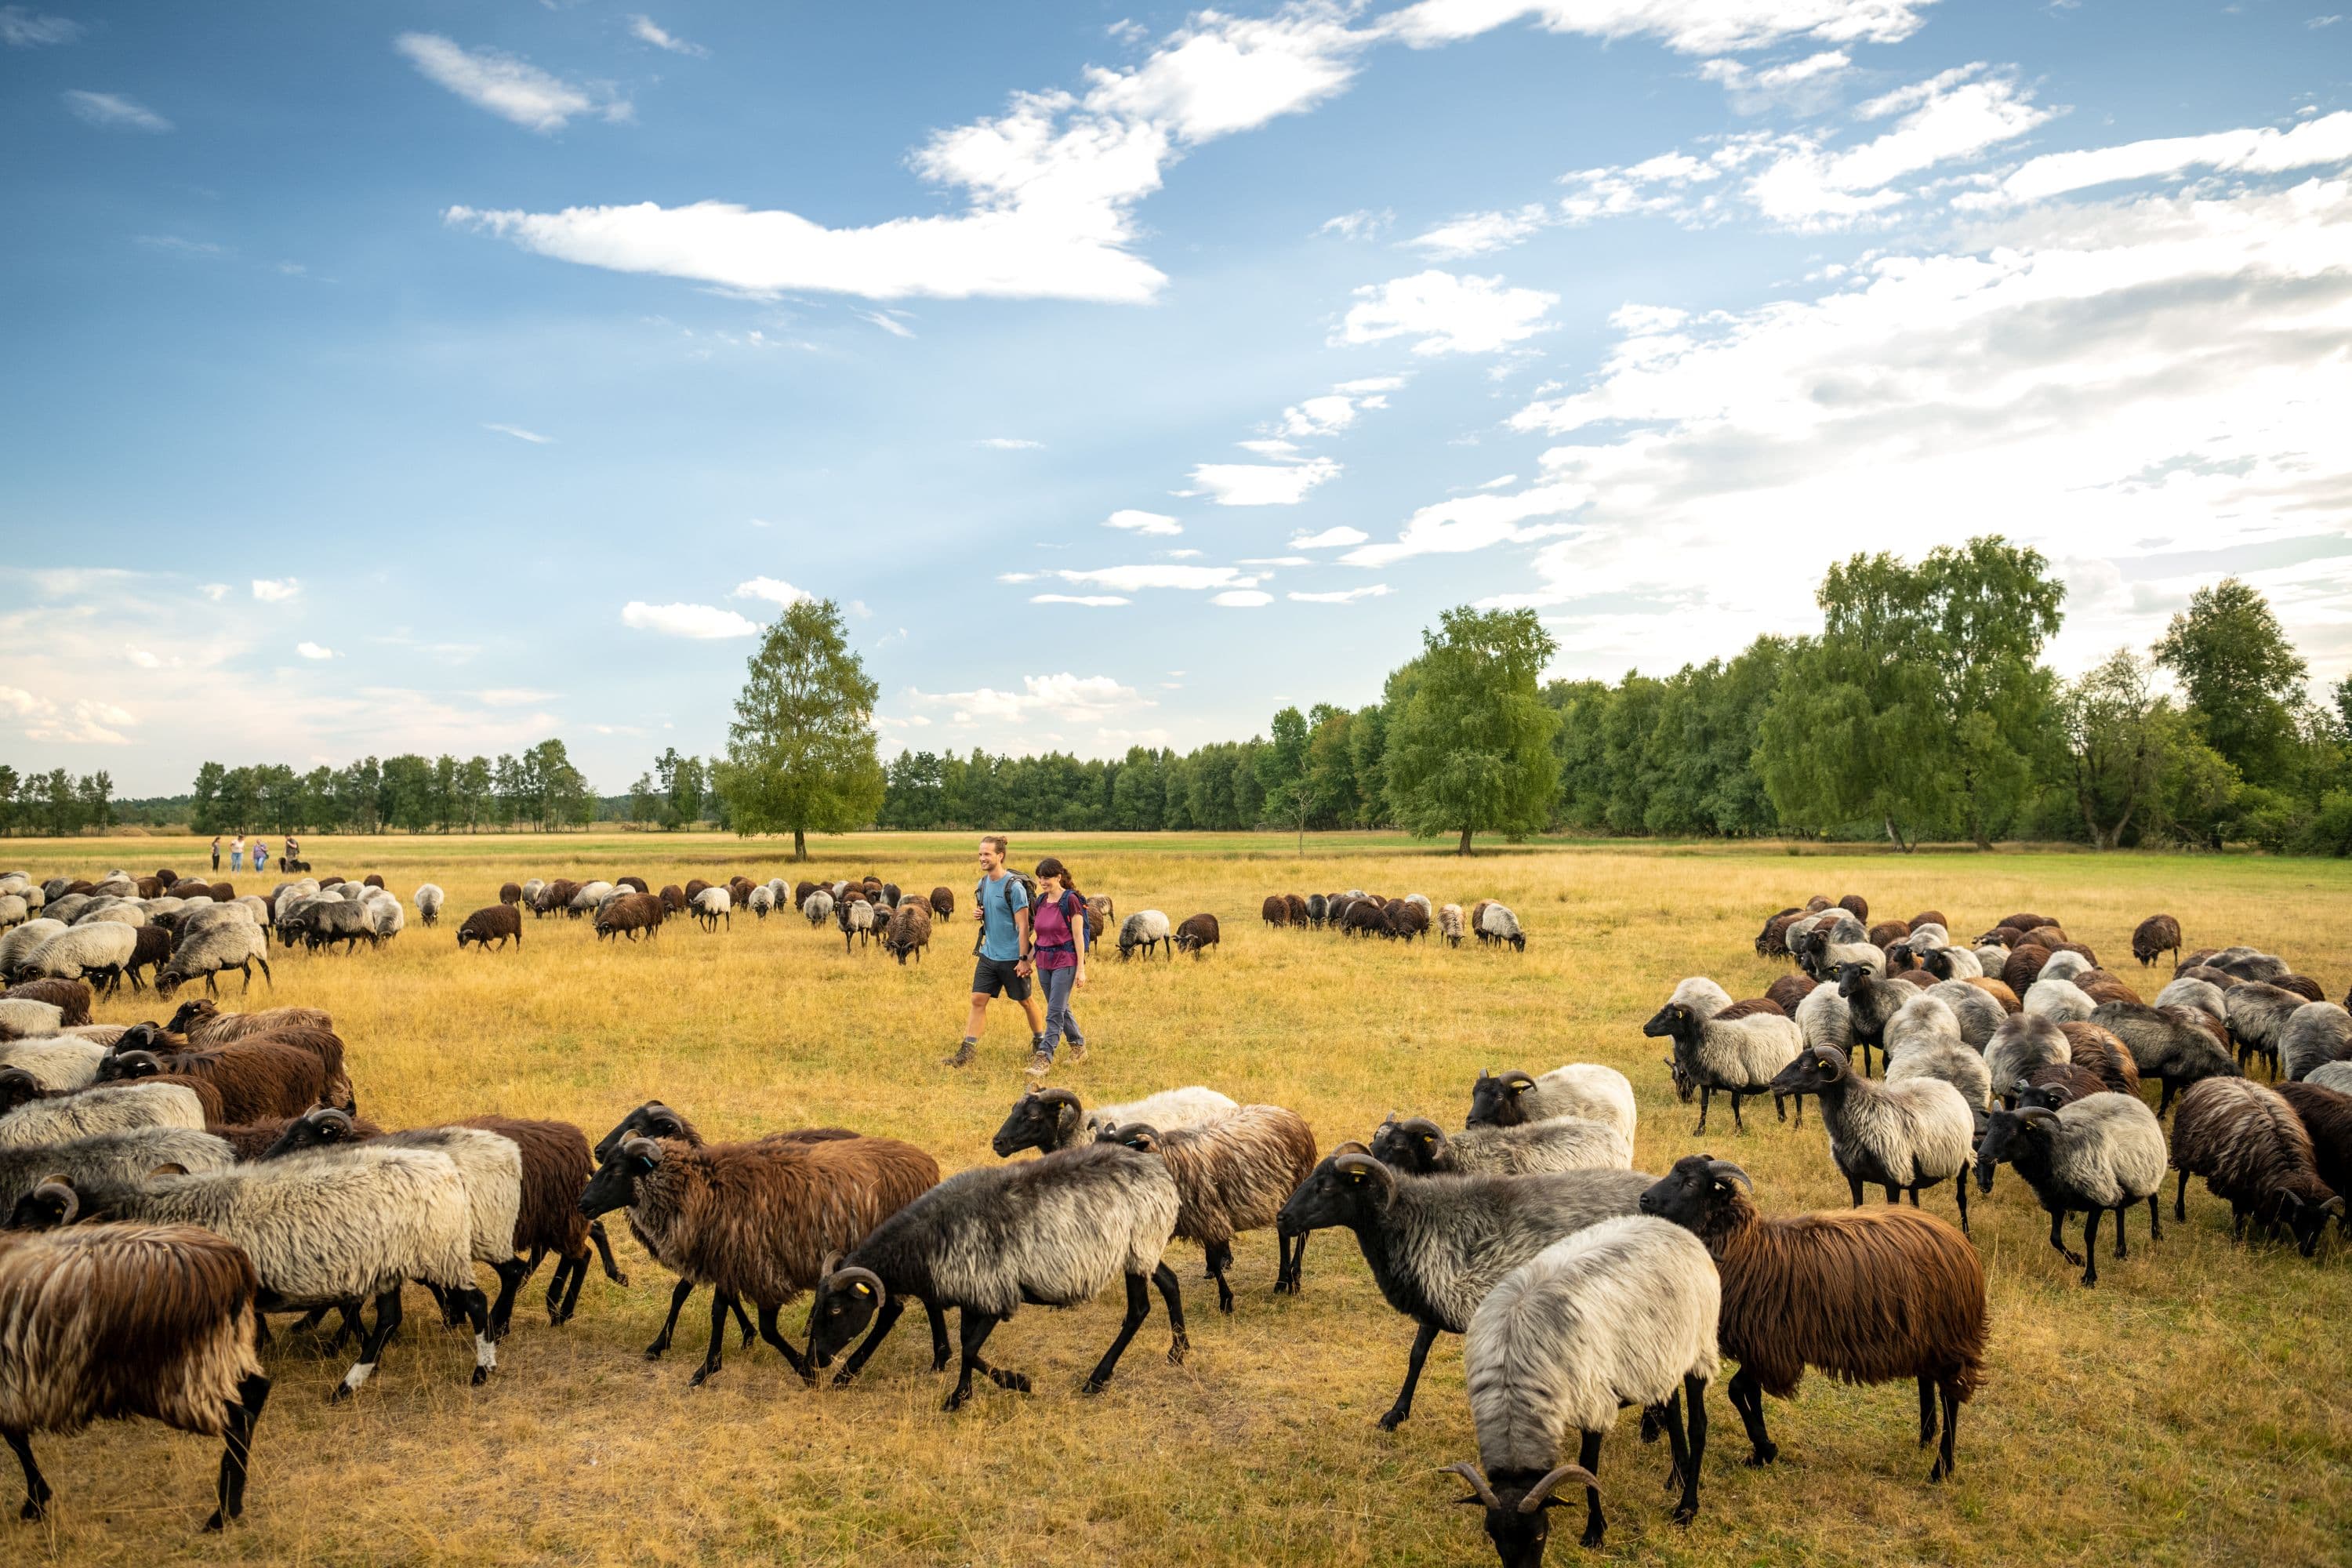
<point x="1057" y="946"/>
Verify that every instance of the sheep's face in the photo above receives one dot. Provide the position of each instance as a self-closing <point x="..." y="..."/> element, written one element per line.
<point x="1519" y="1534"/>
<point x="2007" y="1135"/>
<point x="1811" y="1072"/>
<point x="1039" y="1122"/>
<point x="1494" y="1099"/>
<point x="845" y="1303"/>
<point x="1693" y="1193"/>
<point x="615" y="1184"/>
<point x="2304" y="1219"/>
<point x="651" y="1120"/>
<point x="2048" y="1095"/>
<point x="315" y="1129"/>
<point x="1349" y="1188"/>
<point x="120" y="1066"/>
<point x="1852" y="977"/>
<point x="45" y="1207"/>
<point x="1414" y="1145"/>
<point x="191" y="1016"/>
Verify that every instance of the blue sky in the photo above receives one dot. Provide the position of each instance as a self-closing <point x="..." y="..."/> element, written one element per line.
<point x="441" y="376"/>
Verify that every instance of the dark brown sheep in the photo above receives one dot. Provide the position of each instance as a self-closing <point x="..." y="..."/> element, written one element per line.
<point x="1920" y="977"/>
<point x="635" y="884"/>
<point x="2101" y="987"/>
<point x="2326" y="1115"/>
<point x="1931" y="918"/>
<point x="1405" y="919"/>
<point x="1887" y="934"/>
<point x="287" y="1027"/>
<point x="2069" y="1080"/>
<point x="801" y="889"/>
<point x="2102" y="1052"/>
<point x="1752" y="1007"/>
<point x="202" y="1022"/>
<point x="1364" y="918"/>
<point x="629" y="915"/>
<point x="739" y="888"/>
<point x="1999" y="991"/>
<point x="166" y="876"/>
<point x="1772" y="941"/>
<point x="2254" y="1153"/>
<point x="1233" y="1175"/>
<point x="2026" y="922"/>
<point x="373" y="879"/>
<point x="492" y="923"/>
<point x="2183" y="965"/>
<point x="673" y="899"/>
<point x="908" y="932"/>
<point x="71" y="998"/>
<point x="1296" y="907"/>
<point x="2210" y="975"/>
<point x="1866" y="1296"/>
<point x="693" y="886"/>
<point x="252" y="1140"/>
<point x="2023" y="967"/>
<point x="2303" y="986"/>
<point x="1274" y="911"/>
<point x="2154" y="936"/>
<point x="943" y="902"/>
<point x="250" y="1080"/>
<point x="556" y="1167"/>
<point x="1857" y="905"/>
<point x="1789" y="990"/>
<point x="510" y="893"/>
<point x="1197" y="935"/>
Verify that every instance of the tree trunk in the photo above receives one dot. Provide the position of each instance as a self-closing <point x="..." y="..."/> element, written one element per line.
<point x="1465" y="846"/>
<point x="799" y="844"/>
<point x="1895" y="834"/>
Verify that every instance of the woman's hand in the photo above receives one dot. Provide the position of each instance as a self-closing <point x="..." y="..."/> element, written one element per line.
<point x="1080" y="983"/>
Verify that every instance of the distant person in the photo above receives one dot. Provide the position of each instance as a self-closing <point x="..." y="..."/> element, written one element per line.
<point x="1001" y="905"/>
<point x="236" y="853"/>
<point x="215" y="851"/>
<point x="260" y="856"/>
<point x="1058" y="954"/>
<point x="292" y="848"/>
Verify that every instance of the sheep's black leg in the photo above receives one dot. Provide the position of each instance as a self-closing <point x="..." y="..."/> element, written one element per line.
<point x="1219" y="1257"/>
<point x="741" y="1321"/>
<point x="1748" y="1398"/>
<point x="1588" y="1456"/>
<point x="1706" y="1101"/>
<point x="1960" y="1190"/>
<point x="2090" y="1246"/>
<point x="976" y="1328"/>
<point x="1853" y="1185"/>
<point x="712" y="1358"/>
<point x="1685" y="1472"/>
<point x="252" y="1393"/>
<point x="1737" y="1125"/>
<point x="793" y="1358"/>
<point x="2058" y="1239"/>
<point x="1297" y="1274"/>
<point x="884" y="1321"/>
<point x="2122" y="1212"/>
<point x="1423" y="1337"/>
<point x="1178" y="1342"/>
<point x="1695" y="1405"/>
<point x="1138" y="1307"/>
<point x="604" y="1251"/>
<point x="1926" y="1411"/>
<point x="387" y="1318"/>
<point x="36" y="1490"/>
<point x="511" y="1275"/>
<point x="475" y="1308"/>
<point x="1894" y="1194"/>
<point x="676" y="1303"/>
<point x="2163" y="1100"/>
<point x="941" y="1349"/>
<point x="2155" y="1224"/>
<point x="1947" y="1464"/>
<point x="2179" y="1199"/>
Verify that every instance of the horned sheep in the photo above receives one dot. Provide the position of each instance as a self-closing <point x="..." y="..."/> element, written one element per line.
<point x="1739" y="1056"/>
<point x="2103" y="1151"/>
<point x="2254" y="1153"/>
<point x="1231" y="1175"/>
<point x="1585" y="1089"/>
<point x="30" y="1118"/>
<point x="1417" y="1145"/>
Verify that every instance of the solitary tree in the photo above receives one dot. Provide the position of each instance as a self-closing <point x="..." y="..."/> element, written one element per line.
<point x="1469" y="734"/>
<point x="2244" y="677"/>
<point x="1283" y="767"/>
<point x="800" y="753"/>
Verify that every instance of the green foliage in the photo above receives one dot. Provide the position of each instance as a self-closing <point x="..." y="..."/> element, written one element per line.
<point x="2241" y="675"/>
<point x="1469" y="741"/>
<point x="801" y="754"/>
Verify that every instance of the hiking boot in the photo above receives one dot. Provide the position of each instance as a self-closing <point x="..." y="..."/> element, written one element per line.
<point x="1041" y="1062"/>
<point x="963" y="1055"/>
<point x="1078" y="1052"/>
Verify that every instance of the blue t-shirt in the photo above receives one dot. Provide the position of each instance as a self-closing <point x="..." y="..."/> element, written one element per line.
<point x="999" y="938"/>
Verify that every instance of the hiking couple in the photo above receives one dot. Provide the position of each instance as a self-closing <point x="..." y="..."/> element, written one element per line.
<point x="1022" y="939"/>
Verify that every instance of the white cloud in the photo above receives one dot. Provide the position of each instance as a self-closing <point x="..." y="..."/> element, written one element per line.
<point x="647" y="30"/>
<point x="1319" y="417"/>
<point x="772" y="589"/>
<point x="1474" y="522"/>
<point x="705" y="621"/>
<point x="1365" y="384"/>
<point x="1096" y="600"/>
<point x="275" y="590"/>
<point x="1274" y="560"/>
<point x="215" y="591"/>
<point x="1243" y="599"/>
<point x="1344" y="596"/>
<point x="1689" y="27"/>
<point x="313" y="650"/>
<point x="1448" y="313"/>
<point x="114" y="112"/>
<point x="1131" y="579"/>
<point x="24" y="29"/>
<point x="1270" y="447"/>
<point x="142" y="658"/>
<point x="1329" y="539"/>
<point x="179" y="245"/>
<point x="87" y="722"/>
<point x="1182" y="555"/>
<point x="508" y="86"/>
<point x="888" y="323"/>
<point x="1151" y="522"/>
<point x="1009" y="444"/>
<point x="1498" y="481"/>
<point x="1953" y="116"/>
<point x="519" y="433"/>
<point x="2264" y="151"/>
<point x="1076" y="700"/>
<point x="1474" y="234"/>
<point x="1364" y="223"/>
<point x="1804" y="86"/>
<point x="1256" y="484"/>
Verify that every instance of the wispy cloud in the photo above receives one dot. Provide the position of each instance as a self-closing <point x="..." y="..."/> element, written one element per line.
<point x="1342" y="596"/>
<point x="888" y="322"/>
<point x="1009" y="444"/>
<point x="775" y="590"/>
<point x="1096" y="600"/>
<point x="1331" y="538"/>
<point x="1244" y="599"/>
<point x="509" y="86"/>
<point x="275" y="590"/>
<point x="1151" y="522"/>
<point x="519" y="433"/>
<point x="647" y="30"/>
<point x="24" y="29"/>
<point x="1072" y="697"/>
<point x="1364" y="223"/>
<point x="313" y="650"/>
<point x="1446" y="313"/>
<point x="1263" y="484"/>
<point x="178" y="245"/>
<point x="114" y="112"/>
<point x="699" y="621"/>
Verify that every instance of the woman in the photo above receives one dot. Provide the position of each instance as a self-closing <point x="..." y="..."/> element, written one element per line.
<point x="1057" y="950"/>
<point x="260" y="856"/>
<point x="236" y="851"/>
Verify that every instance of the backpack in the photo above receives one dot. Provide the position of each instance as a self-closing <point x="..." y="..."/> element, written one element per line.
<point x="980" y="898"/>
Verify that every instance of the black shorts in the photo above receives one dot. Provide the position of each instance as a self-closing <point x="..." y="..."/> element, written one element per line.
<point x="990" y="976"/>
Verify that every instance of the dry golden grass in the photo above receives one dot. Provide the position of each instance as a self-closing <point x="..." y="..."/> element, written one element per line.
<point x="2196" y="1407"/>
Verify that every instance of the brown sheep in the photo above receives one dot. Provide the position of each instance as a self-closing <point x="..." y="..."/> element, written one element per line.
<point x="1754" y="1006"/>
<point x="943" y="902"/>
<point x="248" y="1081"/>
<point x="252" y="1140"/>
<point x="2101" y="987"/>
<point x="2253" y="1152"/>
<point x="493" y="922"/>
<point x="150" y="949"/>
<point x="1887" y="934"/>
<point x="2303" y="986"/>
<point x="693" y="886"/>
<point x="1102" y="916"/>
<point x="635" y="884"/>
<point x="629" y="915"/>
<point x="909" y="932"/>
<point x="1404" y="919"/>
<point x="801" y="889"/>
<point x="71" y="998"/>
<point x="166" y="876"/>
<point x="321" y="1042"/>
<point x="2212" y="976"/>
<point x="2154" y="936"/>
<point x="202" y="1022"/>
<point x="2027" y="922"/>
<point x="2061" y="1083"/>
<point x="1772" y="941"/>
<point x="1197" y="935"/>
<point x="739" y="888"/>
<point x="1998" y="991"/>
<point x="1857" y="905"/>
<point x="1789" y="990"/>
<point x="1233" y="1175"/>
<point x="1296" y="907"/>
<point x="673" y="899"/>
<point x="2326" y="1115"/>
<point x="1919" y="977"/>
<point x="2104" y="1053"/>
<point x="1929" y="917"/>
<point x="2023" y="967"/>
<point x="1275" y="910"/>
<point x="510" y="893"/>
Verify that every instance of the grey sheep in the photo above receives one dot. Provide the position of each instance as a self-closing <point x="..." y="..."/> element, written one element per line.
<point x="1925" y="1041"/>
<point x="1231" y="1175"/>
<point x="126" y="1156"/>
<point x="1585" y="1089"/>
<point x="1500" y="926"/>
<point x="1824" y="1018"/>
<point x="1979" y="1015"/>
<point x="1740" y="1056"/>
<point x="1047" y="1120"/>
<point x="817" y="908"/>
<point x="2316" y="1033"/>
<point x="29" y="1120"/>
<point x="1417" y="1145"/>
<point x="2257" y="1013"/>
<point x="428" y="904"/>
<point x="1901" y="1136"/>
<point x="55" y="1063"/>
<point x="2059" y="1000"/>
<point x="2336" y="1075"/>
<point x="2101" y="1153"/>
<point x="23" y="1018"/>
<point x="2024" y="1042"/>
<point x="1147" y="930"/>
<point x="94" y="952"/>
<point x="1436" y="1245"/>
<point x="2187" y="990"/>
<point x="2167" y="1044"/>
<point x="208" y="954"/>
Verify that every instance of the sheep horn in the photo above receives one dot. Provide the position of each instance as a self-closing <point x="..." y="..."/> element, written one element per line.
<point x="1349" y="1147"/>
<point x="640" y="1149"/>
<point x="1722" y="1169"/>
<point x="55" y="1189"/>
<point x="855" y="1275"/>
<point x="2033" y="1114"/>
<point x="1540" y="1493"/>
<point x="1483" y="1493"/>
<point x="330" y="1116"/>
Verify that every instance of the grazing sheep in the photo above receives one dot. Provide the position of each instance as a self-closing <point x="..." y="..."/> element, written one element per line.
<point x="1231" y="1175"/>
<point x="1437" y="1245"/>
<point x="2102" y="1054"/>
<point x="1499" y="925"/>
<point x="29" y="1119"/>
<point x="909" y="932"/>
<point x="2169" y="1044"/>
<point x="71" y="998"/>
<point x="1449" y="923"/>
<point x="114" y="1322"/>
<point x="210" y="953"/>
<point x="2187" y="990"/>
<point x="1952" y="963"/>
<point x="1871" y="1003"/>
<point x="943" y="902"/>
<point x="254" y="1079"/>
<point x="2316" y="1033"/>
<point x="1583" y="1089"/>
<point x="2254" y="1153"/>
<point x="330" y="920"/>
<point x="2061" y="1000"/>
<point x="1196" y="935"/>
<point x="1145" y="929"/>
<point x="2247" y="964"/>
<point x="1868" y="1296"/>
<point x="2325" y="1114"/>
<point x="1274" y="911"/>
<point x="493" y="922"/>
<point x="1052" y="1231"/>
<point x="817" y="908"/>
<point x="629" y="914"/>
<point x="759" y="1220"/>
<point x="713" y="905"/>
<point x="1740" y="1056"/>
<point x="1925" y="1040"/>
<point x="1980" y="1017"/>
<point x="17" y="946"/>
<point x="428" y="900"/>
<point x="2303" y="986"/>
<point x="2154" y="936"/>
<point x="1901" y="1136"/>
<point x="1417" y="1146"/>
<point x="55" y="1064"/>
<point x="22" y="1018"/>
<point x="1624" y="1312"/>
<point x="762" y="900"/>
<point x="98" y="952"/>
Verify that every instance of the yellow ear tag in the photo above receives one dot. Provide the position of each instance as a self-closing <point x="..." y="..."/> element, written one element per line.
<point x="863" y="1288"/>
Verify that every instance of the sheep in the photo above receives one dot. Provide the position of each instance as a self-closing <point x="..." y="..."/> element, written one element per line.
<point x="122" y="1320"/>
<point x="2102" y="1054"/>
<point x="2316" y="1033"/>
<point x="492" y="923"/>
<point x="1274" y="911"/>
<point x="2326" y="1115"/>
<point x="1925" y="1040"/>
<point x="2168" y="1044"/>
<point x="758" y="1219"/>
<point x="2024" y="1042"/>
<point x="1231" y="1175"/>
<point x="585" y="896"/>
<point x="1499" y="925"/>
<point x="2187" y="990"/>
<point x="2336" y="1075"/>
<point x="96" y="952"/>
<point x="1901" y="1136"/>
<point x="1449" y="923"/>
<point x="1561" y="1143"/>
<point x="22" y="1018"/>
<point x="55" y="1064"/>
<point x="248" y="1081"/>
<point x="385" y="915"/>
<point x="1406" y="919"/>
<point x="908" y="932"/>
<point x="1952" y="963"/>
<point x="428" y="903"/>
<point x="1887" y="935"/>
<point x="1624" y="1312"/>
<point x="124" y="1156"/>
<point x="2154" y="936"/>
<point x="1789" y="990"/>
<point x="2060" y="1001"/>
<point x="510" y="894"/>
<point x="1823" y="1018"/>
<point x="1196" y="935"/>
<point x="1866" y="1296"/>
<point x="817" y="908"/>
<point x="1583" y="1089"/>
<point x="2253" y="1152"/>
<point x="1828" y="958"/>
<point x="208" y="953"/>
<point x="1052" y="1231"/>
<point x="71" y="998"/>
<point x="325" y="924"/>
<point x="28" y="1118"/>
<point x="17" y="946"/>
<point x="630" y="915"/>
<point x="856" y="917"/>
<point x="1979" y="1016"/>
<point x="2303" y="986"/>
<point x="1871" y="1005"/>
<point x="2247" y="964"/>
<point x="1738" y="1055"/>
<point x="2102" y="1152"/>
<point x="1436" y="1245"/>
<point x="1145" y="929"/>
<point x="14" y="910"/>
<point x="251" y="1140"/>
<point x="1052" y="1119"/>
<point x="1364" y="918"/>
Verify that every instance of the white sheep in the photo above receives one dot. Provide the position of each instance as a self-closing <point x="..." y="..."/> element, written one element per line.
<point x="109" y="1108"/>
<point x="428" y="903"/>
<point x="97" y="951"/>
<point x="60" y="1062"/>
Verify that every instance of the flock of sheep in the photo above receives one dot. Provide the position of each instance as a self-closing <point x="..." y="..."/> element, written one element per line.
<point x="167" y="1185"/>
<point x="1359" y="914"/>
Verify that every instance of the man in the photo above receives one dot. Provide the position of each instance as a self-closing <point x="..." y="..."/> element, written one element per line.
<point x="1001" y="908"/>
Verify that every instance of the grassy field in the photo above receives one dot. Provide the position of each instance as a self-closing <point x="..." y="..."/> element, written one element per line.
<point x="2196" y="1407"/>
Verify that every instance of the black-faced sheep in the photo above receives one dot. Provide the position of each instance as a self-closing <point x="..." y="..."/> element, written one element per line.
<point x="630" y="915"/>
<point x="1739" y="1056"/>
<point x="2255" y="1154"/>
<point x="2154" y="936"/>
<point x="2326" y="1115"/>
<point x="908" y="932"/>
<point x="1145" y="929"/>
<point x="1903" y="1135"/>
<point x="2101" y="1153"/>
<point x="1584" y="1090"/>
<point x="1419" y="1146"/>
<point x="1233" y="1175"/>
<point x="492" y="923"/>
